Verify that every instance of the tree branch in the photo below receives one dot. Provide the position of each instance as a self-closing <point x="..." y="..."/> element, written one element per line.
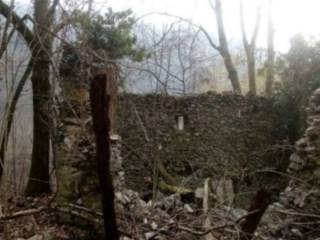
<point x="243" y="28"/>
<point x="205" y="32"/>
<point x="256" y="28"/>
<point x="21" y="27"/>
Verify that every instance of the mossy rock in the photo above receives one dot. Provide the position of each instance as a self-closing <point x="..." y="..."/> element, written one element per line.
<point x="69" y="181"/>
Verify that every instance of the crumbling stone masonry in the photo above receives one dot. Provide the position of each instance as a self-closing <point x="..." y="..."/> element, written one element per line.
<point x="200" y="136"/>
<point x="191" y="138"/>
<point x="300" y="202"/>
<point x="76" y="169"/>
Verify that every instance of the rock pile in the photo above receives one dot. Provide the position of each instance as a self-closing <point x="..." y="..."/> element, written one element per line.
<point x="300" y="202"/>
<point x="305" y="162"/>
<point x="173" y="217"/>
<point x="76" y="168"/>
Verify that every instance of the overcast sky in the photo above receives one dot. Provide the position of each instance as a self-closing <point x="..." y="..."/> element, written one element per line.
<point x="290" y="16"/>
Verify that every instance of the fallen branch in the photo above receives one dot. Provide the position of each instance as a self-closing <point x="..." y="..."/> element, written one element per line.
<point x="23" y="213"/>
<point x="67" y="208"/>
<point x="204" y="233"/>
<point x="297" y="214"/>
<point x="81" y="208"/>
<point x="88" y="214"/>
<point x="213" y="228"/>
<point x="77" y="214"/>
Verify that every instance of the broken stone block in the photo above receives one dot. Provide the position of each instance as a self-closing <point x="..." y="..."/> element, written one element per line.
<point x="150" y="235"/>
<point x="199" y="193"/>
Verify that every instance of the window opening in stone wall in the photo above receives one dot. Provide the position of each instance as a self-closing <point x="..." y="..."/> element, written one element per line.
<point x="180" y="122"/>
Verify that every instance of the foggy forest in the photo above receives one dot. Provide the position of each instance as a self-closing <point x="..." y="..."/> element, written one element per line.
<point x="155" y="120"/>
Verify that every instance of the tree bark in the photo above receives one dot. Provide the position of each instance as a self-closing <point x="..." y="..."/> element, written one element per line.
<point x="21" y="27"/>
<point x="250" y="48"/>
<point x="100" y="101"/>
<point x="39" y="173"/>
<point x="40" y="69"/>
<point x="224" y="49"/>
<point x="252" y="74"/>
<point x="40" y="44"/>
<point x="271" y="54"/>
<point x="39" y="179"/>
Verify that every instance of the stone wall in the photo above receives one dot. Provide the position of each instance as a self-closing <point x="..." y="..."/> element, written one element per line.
<point x="221" y="136"/>
<point x="189" y="138"/>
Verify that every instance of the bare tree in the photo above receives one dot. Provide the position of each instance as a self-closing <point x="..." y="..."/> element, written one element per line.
<point x="40" y="43"/>
<point x="223" y="47"/>
<point x="177" y="55"/>
<point x="250" y="48"/>
<point x="271" y="53"/>
<point x="41" y="54"/>
<point x="90" y="3"/>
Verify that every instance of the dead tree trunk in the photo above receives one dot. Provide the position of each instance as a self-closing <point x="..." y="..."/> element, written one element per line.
<point x="101" y="124"/>
<point x="258" y="206"/>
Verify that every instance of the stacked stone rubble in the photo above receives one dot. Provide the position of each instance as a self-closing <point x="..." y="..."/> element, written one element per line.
<point x="77" y="179"/>
<point x="301" y="199"/>
<point x="116" y="163"/>
<point x="305" y="162"/>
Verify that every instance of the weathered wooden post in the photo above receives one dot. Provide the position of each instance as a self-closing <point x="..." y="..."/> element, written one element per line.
<point x="100" y="102"/>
